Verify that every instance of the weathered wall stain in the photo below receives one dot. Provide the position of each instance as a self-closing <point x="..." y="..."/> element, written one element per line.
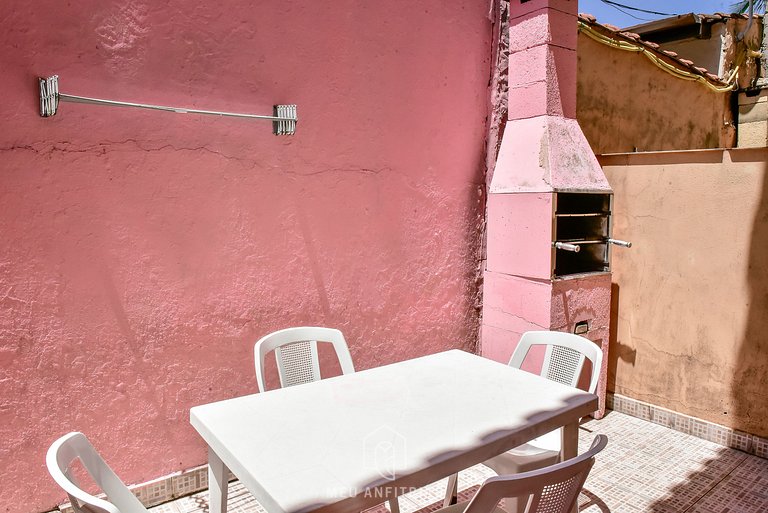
<point x="625" y="103"/>
<point x="121" y="31"/>
<point x="690" y="316"/>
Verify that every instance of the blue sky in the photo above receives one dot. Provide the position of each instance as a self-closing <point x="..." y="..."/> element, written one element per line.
<point x="608" y="14"/>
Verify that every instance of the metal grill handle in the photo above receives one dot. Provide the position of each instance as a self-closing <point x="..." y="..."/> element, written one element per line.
<point x="622" y="243"/>
<point x="567" y="247"/>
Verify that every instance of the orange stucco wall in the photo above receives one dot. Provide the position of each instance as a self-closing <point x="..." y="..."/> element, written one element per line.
<point x="691" y="296"/>
<point x="625" y="103"/>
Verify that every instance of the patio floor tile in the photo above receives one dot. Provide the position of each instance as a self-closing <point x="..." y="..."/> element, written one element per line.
<point x="646" y="468"/>
<point x="745" y="490"/>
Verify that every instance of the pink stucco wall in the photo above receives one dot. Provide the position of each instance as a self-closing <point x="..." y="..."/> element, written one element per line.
<point x="144" y="252"/>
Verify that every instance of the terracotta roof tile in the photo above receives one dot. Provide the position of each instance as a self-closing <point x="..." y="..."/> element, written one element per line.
<point x="725" y="16"/>
<point x="668" y="55"/>
<point x="631" y="35"/>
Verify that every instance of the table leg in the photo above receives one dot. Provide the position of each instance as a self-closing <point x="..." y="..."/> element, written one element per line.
<point x="217" y="483"/>
<point x="452" y="491"/>
<point x="569" y="448"/>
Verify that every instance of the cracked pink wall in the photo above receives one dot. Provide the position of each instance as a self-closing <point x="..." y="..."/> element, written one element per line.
<point x="145" y="252"/>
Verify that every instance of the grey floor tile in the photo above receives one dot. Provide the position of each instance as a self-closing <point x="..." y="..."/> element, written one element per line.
<point x="646" y="468"/>
<point x="745" y="490"/>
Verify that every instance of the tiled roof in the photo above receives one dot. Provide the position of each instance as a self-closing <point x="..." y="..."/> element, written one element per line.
<point x="667" y="55"/>
<point x="720" y="16"/>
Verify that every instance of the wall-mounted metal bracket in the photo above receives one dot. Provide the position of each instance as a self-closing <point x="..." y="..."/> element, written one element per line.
<point x="283" y="121"/>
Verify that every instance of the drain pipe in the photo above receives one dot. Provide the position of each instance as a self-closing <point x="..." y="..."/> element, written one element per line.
<point x="743" y="33"/>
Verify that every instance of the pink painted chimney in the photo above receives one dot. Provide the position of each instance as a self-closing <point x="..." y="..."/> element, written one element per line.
<point x="547" y="192"/>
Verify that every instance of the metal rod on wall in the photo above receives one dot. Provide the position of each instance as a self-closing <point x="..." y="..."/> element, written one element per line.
<point x="283" y="121"/>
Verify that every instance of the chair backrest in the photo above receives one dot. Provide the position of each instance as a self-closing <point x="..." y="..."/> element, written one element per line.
<point x="564" y="356"/>
<point x="296" y="354"/>
<point x="75" y="446"/>
<point x="553" y="489"/>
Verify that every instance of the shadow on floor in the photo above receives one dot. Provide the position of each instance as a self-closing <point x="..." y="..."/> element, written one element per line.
<point x="729" y="482"/>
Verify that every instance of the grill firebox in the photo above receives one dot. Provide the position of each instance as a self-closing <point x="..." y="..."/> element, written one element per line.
<point x="582" y="233"/>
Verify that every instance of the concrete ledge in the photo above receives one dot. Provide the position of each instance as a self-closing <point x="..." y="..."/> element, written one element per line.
<point x="749" y="100"/>
<point x="753" y="112"/>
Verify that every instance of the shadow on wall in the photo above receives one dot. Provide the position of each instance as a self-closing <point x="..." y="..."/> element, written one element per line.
<point x="617" y="351"/>
<point x="750" y="383"/>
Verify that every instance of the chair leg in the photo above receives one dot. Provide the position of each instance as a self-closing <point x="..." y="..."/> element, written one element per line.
<point x="394" y="505"/>
<point x="516" y="504"/>
<point x="452" y="491"/>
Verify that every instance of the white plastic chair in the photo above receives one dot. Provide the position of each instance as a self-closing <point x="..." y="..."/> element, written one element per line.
<point x="75" y="446"/>
<point x="296" y="354"/>
<point x="563" y="362"/>
<point x="297" y="361"/>
<point x="553" y="489"/>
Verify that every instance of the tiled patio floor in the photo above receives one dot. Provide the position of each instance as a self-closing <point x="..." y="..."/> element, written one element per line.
<point x="645" y="468"/>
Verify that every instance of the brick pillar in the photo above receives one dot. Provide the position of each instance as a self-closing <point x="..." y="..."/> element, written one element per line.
<point x="543" y="151"/>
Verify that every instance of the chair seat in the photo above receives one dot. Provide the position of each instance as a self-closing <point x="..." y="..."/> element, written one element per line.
<point x="541" y="451"/>
<point x="551" y="441"/>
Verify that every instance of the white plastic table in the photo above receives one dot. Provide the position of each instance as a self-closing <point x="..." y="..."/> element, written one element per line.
<point x="347" y="443"/>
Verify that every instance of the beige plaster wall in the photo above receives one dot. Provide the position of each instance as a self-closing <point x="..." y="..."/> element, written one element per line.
<point x="722" y="52"/>
<point x="704" y="52"/>
<point x="625" y="103"/>
<point x="690" y="298"/>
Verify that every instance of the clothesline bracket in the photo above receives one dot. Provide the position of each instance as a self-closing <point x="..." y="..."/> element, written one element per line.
<point x="283" y="121"/>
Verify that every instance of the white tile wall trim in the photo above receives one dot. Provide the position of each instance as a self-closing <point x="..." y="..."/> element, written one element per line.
<point x="166" y="488"/>
<point x="706" y="430"/>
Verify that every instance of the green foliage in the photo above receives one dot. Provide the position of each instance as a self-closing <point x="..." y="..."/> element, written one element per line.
<point x="743" y="6"/>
